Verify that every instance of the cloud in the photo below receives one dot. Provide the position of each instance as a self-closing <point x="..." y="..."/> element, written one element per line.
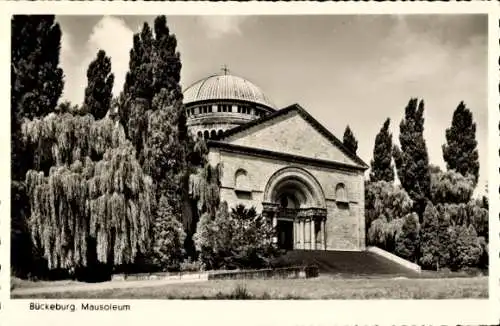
<point x="218" y="26"/>
<point x="109" y="34"/>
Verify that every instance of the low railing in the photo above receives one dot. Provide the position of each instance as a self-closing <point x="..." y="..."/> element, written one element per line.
<point x="293" y="272"/>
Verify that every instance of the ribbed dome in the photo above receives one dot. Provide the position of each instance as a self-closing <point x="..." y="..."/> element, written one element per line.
<point x="225" y="87"/>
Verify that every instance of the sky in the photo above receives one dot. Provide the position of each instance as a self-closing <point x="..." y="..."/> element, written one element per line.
<point x="354" y="70"/>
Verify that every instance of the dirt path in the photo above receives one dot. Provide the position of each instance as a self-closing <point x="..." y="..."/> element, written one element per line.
<point x="104" y="286"/>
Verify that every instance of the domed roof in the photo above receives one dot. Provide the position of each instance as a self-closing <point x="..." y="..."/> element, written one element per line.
<point x="225" y="87"/>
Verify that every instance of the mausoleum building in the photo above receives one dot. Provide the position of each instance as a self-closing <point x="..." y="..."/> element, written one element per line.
<point x="281" y="161"/>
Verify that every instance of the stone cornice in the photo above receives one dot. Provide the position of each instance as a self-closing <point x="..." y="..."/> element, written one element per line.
<point x="220" y="118"/>
<point x="231" y="148"/>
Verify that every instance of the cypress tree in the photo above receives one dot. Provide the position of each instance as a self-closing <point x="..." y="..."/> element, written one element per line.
<point x="350" y="141"/>
<point x="412" y="161"/>
<point x="429" y="238"/>
<point x="460" y="151"/>
<point x="381" y="165"/>
<point x="98" y="93"/>
<point x="167" y="67"/>
<point x="137" y="94"/>
<point x="168" y="236"/>
<point x="36" y="78"/>
<point x="156" y="121"/>
<point x="36" y="86"/>
<point x="408" y="241"/>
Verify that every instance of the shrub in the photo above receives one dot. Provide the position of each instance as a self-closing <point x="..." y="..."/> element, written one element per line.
<point x="168" y="238"/>
<point x="240" y="239"/>
<point x="192" y="266"/>
<point x="465" y="249"/>
<point x="240" y="293"/>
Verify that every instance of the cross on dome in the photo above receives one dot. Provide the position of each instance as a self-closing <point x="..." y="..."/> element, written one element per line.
<point x="225" y="69"/>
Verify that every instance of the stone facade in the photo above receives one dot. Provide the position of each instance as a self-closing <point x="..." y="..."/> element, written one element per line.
<point x="325" y="179"/>
<point x="284" y="163"/>
<point x="344" y="220"/>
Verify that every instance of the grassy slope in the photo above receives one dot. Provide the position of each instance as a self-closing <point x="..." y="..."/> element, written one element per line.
<point x="324" y="287"/>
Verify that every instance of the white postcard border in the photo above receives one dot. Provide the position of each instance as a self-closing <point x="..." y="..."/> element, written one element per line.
<point x="298" y="312"/>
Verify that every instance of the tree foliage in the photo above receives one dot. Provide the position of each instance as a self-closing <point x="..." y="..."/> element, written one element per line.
<point x="435" y="238"/>
<point x="384" y="233"/>
<point x="479" y="218"/>
<point x="384" y="199"/>
<point x="465" y="249"/>
<point x="408" y="240"/>
<point x="429" y="239"/>
<point x="61" y="139"/>
<point x="36" y="86"/>
<point x="154" y="66"/>
<point x="451" y="187"/>
<point x="154" y="117"/>
<point x="350" y="141"/>
<point x="204" y="188"/>
<point x="168" y="237"/>
<point x="94" y="196"/>
<point x="237" y="239"/>
<point x="382" y="168"/>
<point x="412" y="161"/>
<point x="460" y="151"/>
<point x="98" y="93"/>
<point x="36" y="78"/>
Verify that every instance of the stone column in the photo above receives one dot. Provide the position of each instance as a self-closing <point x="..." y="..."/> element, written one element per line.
<point x="275" y="224"/>
<point x="308" y="233"/>
<point x="302" y="231"/>
<point x="319" y="239"/>
<point x="295" y="234"/>
<point x="313" y="234"/>
<point x="323" y="233"/>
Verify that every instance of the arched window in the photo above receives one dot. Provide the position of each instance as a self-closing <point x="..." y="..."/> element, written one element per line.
<point x="341" y="193"/>
<point x="288" y="201"/>
<point x="200" y="134"/>
<point x="212" y="134"/>
<point x="219" y="133"/>
<point x="205" y="134"/>
<point x="242" y="181"/>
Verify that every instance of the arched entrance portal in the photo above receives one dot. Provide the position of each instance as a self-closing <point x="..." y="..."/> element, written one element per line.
<point x="294" y="201"/>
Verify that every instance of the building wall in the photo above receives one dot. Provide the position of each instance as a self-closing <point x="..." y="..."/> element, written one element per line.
<point x="285" y="134"/>
<point x="345" y="222"/>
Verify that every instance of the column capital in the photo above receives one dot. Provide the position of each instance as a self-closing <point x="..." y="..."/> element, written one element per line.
<point x="312" y="212"/>
<point x="270" y="207"/>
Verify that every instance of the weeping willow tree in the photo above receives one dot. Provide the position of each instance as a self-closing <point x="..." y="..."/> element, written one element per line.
<point x="94" y="197"/>
<point x="61" y="139"/>
<point x="204" y="188"/>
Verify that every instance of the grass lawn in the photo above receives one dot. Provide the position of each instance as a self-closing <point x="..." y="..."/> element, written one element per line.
<point x="323" y="287"/>
<point x="16" y="283"/>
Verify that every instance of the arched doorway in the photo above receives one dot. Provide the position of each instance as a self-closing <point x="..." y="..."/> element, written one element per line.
<point x="294" y="201"/>
<point x="287" y="213"/>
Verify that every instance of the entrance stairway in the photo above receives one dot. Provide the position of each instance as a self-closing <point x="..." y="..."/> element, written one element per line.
<point x="345" y="263"/>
